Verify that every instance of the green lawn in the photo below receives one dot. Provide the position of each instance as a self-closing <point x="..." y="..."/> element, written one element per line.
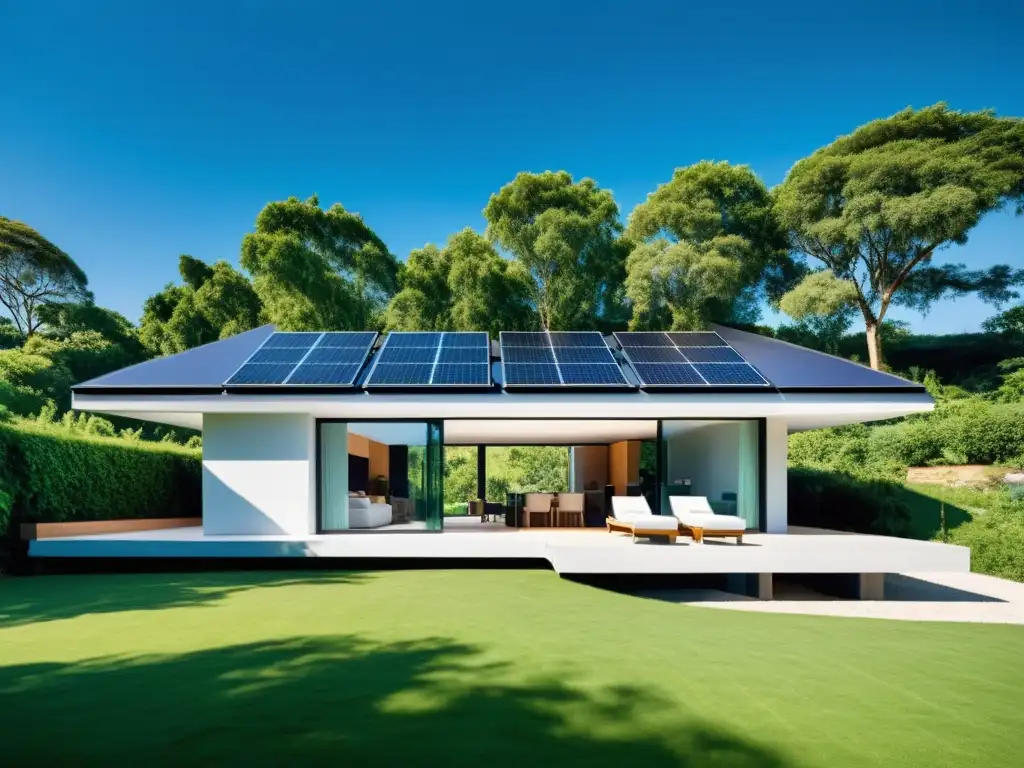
<point x="483" y="669"/>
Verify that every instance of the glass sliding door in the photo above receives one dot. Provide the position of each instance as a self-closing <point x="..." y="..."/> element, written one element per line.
<point x="717" y="459"/>
<point x="380" y="476"/>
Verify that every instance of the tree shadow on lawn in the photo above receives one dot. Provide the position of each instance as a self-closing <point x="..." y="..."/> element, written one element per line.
<point x="50" y="598"/>
<point x="343" y="700"/>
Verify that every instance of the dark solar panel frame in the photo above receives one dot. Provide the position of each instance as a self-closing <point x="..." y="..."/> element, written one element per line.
<point x="687" y="359"/>
<point x="328" y="359"/>
<point x="537" y="359"/>
<point x="432" y="360"/>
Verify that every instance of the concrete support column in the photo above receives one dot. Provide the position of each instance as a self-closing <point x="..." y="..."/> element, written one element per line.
<point x="776" y="512"/>
<point x="759" y="585"/>
<point x="871" y="586"/>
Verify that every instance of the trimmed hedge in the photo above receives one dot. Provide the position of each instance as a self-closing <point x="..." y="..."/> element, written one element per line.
<point x="53" y="475"/>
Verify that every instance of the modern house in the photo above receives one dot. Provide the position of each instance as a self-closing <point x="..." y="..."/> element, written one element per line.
<point x="333" y="445"/>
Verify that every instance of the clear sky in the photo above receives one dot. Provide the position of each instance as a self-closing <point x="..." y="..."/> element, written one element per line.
<point x="132" y="132"/>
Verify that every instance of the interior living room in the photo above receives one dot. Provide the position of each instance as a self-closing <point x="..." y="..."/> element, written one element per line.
<point x="458" y="475"/>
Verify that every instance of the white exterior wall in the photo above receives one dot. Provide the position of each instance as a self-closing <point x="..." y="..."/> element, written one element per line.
<point x="776" y="466"/>
<point x="259" y="474"/>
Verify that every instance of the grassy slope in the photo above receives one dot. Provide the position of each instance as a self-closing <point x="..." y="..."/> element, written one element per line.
<point x="492" y="668"/>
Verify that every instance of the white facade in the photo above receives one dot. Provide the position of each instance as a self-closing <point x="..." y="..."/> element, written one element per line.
<point x="259" y="474"/>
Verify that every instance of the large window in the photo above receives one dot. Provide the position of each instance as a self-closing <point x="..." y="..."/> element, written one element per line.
<point x="716" y="459"/>
<point x="380" y="476"/>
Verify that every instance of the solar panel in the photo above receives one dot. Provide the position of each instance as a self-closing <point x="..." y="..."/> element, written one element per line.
<point x="568" y="355"/>
<point x="697" y="339"/>
<point x="413" y="339"/>
<point x="527" y="355"/>
<point x="413" y="359"/>
<point x="279" y="355"/>
<point x="400" y="354"/>
<point x="655" y="355"/>
<point x="524" y="339"/>
<point x="687" y="359"/>
<point x="462" y="373"/>
<point x="531" y="374"/>
<point x="467" y="339"/>
<point x="304" y="340"/>
<point x="559" y="359"/>
<point x="357" y="339"/>
<point x="644" y="339"/>
<point x="591" y="374"/>
<point x="667" y="374"/>
<point x="731" y="374"/>
<point x="324" y="374"/>
<point x="408" y="374"/>
<point x="262" y="373"/>
<point x="480" y="355"/>
<point x="289" y="359"/>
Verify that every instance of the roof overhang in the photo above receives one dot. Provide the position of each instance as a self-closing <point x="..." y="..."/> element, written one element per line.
<point x="805" y="410"/>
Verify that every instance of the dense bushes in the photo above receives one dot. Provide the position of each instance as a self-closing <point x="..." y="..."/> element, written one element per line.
<point x="969" y="431"/>
<point x="49" y="473"/>
<point x="995" y="537"/>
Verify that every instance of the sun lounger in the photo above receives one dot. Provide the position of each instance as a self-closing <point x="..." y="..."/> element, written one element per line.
<point x="698" y="520"/>
<point x="630" y="514"/>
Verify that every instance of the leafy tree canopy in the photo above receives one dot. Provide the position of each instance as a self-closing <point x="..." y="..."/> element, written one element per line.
<point x="875" y="206"/>
<point x="35" y="272"/>
<point x="84" y="355"/>
<point x="29" y="380"/>
<point x="317" y="269"/>
<point x="564" y="236"/>
<point x="707" y="248"/>
<point x="10" y="336"/>
<point x="1009" y="323"/>
<point x="466" y="286"/>
<point x="214" y="303"/>
<point x="64" y="319"/>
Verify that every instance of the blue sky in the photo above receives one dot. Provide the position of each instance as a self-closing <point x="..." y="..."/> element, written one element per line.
<point x="132" y="134"/>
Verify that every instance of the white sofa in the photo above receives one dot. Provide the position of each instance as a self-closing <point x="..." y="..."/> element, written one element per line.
<point x="630" y="514"/>
<point x="699" y="520"/>
<point x="363" y="513"/>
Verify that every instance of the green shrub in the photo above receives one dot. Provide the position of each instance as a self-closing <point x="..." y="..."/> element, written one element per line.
<point x="996" y="539"/>
<point x="52" y="474"/>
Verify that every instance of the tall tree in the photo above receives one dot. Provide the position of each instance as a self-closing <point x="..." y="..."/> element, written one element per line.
<point x="34" y="272"/>
<point x="214" y="303"/>
<point x="707" y="248"/>
<point x="564" y="236"/>
<point x="466" y="286"/>
<point x="874" y="207"/>
<point x="317" y="269"/>
<point x="1009" y="323"/>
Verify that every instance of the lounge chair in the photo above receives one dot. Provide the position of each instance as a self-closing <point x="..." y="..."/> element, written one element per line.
<point x="630" y="514"/>
<point x="698" y="520"/>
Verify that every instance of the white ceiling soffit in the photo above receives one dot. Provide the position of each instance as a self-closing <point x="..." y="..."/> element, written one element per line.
<point x="545" y="431"/>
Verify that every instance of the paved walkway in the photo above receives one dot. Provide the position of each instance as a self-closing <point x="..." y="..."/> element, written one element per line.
<point x="965" y="597"/>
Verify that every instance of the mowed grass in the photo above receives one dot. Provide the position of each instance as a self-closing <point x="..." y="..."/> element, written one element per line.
<point x="483" y="669"/>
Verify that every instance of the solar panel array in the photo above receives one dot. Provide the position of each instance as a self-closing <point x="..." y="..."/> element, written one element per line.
<point x="687" y="359"/>
<point x="414" y="359"/>
<point x="558" y="359"/>
<point x="298" y="359"/>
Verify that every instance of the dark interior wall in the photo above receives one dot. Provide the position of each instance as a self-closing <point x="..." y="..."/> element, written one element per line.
<point x="358" y="473"/>
<point x="398" y="461"/>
